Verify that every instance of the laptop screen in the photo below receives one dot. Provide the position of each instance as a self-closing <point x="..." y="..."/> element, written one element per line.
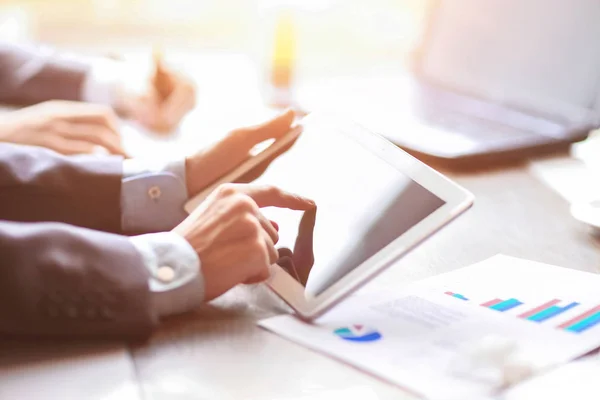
<point x="538" y="55"/>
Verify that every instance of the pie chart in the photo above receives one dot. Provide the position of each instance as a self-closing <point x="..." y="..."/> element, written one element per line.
<point x="358" y="333"/>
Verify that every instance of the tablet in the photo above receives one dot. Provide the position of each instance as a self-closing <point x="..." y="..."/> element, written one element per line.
<point x="374" y="204"/>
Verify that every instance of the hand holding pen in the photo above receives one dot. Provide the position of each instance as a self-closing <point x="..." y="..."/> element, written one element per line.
<point x="169" y="96"/>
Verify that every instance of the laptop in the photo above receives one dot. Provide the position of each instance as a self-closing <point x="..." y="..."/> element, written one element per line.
<point x="492" y="79"/>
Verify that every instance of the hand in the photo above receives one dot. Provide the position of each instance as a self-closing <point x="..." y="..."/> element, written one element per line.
<point x="64" y="126"/>
<point x="234" y="241"/>
<point x="163" y="102"/>
<point x="207" y="166"/>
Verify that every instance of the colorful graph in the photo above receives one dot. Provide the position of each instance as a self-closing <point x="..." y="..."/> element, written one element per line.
<point x="358" y="333"/>
<point x="545" y="312"/>
<point x="583" y="322"/>
<point x="458" y="296"/>
<point x="502" y="305"/>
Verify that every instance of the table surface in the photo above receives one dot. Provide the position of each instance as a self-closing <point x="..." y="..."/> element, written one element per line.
<point x="218" y="352"/>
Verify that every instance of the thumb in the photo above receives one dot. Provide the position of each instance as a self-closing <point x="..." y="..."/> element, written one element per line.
<point x="272" y="129"/>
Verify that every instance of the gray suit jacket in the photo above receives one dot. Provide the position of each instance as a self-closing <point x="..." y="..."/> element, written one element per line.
<point x="31" y="75"/>
<point x="61" y="275"/>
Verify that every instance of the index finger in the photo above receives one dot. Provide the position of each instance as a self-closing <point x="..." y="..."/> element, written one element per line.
<point x="271" y="196"/>
<point x="92" y="113"/>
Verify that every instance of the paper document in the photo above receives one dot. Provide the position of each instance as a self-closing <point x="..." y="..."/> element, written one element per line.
<point x="576" y="380"/>
<point x="425" y="337"/>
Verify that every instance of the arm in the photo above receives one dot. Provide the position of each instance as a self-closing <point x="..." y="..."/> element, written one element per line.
<point x="57" y="279"/>
<point x="39" y="185"/>
<point x="92" y="192"/>
<point x="31" y="75"/>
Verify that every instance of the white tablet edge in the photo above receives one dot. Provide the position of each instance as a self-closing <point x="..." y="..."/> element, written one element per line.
<point x="457" y="200"/>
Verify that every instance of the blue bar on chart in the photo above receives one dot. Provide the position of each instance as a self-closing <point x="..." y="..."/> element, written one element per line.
<point x="540" y="308"/>
<point x="550" y="312"/>
<point x="458" y="296"/>
<point x="502" y="305"/>
<point x="583" y="322"/>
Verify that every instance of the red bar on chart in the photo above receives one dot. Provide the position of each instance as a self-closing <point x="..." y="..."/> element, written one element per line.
<point x="581" y="317"/>
<point x="491" y="302"/>
<point x="538" y="309"/>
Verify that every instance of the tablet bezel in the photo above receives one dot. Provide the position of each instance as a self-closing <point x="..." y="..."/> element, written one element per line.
<point x="457" y="200"/>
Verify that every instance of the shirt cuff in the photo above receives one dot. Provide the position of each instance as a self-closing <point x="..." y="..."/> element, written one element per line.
<point x="176" y="281"/>
<point x="153" y="195"/>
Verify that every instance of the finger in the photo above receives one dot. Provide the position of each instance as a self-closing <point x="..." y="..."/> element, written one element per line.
<point x="303" y="256"/>
<point x="285" y="252"/>
<point x="270" y="196"/>
<point x="259" y="169"/>
<point x="268" y="228"/>
<point x="72" y="147"/>
<point x="265" y="271"/>
<point x="179" y="102"/>
<point x="275" y="225"/>
<point x="272" y="129"/>
<point x="99" y="135"/>
<point x="272" y="253"/>
<point x="235" y="229"/>
<point x="233" y="263"/>
<point x="288" y="265"/>
<point x="92" y="113"/>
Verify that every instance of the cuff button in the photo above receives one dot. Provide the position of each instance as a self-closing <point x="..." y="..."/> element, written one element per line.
<point x="154" y="192"/>
<point x="165" y="274"/>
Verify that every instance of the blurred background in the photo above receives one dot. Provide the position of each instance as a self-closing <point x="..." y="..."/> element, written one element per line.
<point x="329" y="36"/>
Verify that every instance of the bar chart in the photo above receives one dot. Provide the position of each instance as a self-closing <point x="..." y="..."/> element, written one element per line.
<point x="544" y="312"/>
<point x="547" y="311"/>
<point x="502" y="305"/>
<point x="458" y="296"/>
<point x="583" y="322"/>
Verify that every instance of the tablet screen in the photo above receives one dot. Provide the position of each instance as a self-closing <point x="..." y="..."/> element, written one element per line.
<point x="363" y="204"/>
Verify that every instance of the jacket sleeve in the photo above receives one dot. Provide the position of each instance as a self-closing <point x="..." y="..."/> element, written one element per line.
<point x="30" y="74"/>
<point x="57" y="279"/>
<point x="37" y="185"/>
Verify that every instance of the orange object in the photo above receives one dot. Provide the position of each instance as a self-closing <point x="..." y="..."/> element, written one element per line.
<point x="162" y="79"/>
<point x="284" y="51"/>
